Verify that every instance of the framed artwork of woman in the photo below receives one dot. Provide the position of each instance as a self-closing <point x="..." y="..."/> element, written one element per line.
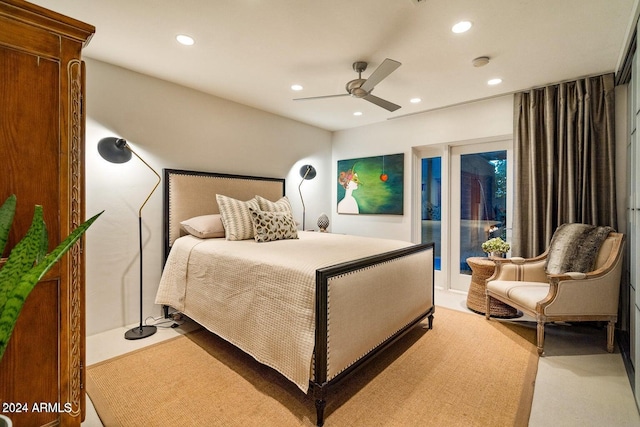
<point x="371" y="185"/>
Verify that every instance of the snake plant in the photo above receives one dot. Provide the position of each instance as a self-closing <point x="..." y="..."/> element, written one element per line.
<point x="28" y="262"/>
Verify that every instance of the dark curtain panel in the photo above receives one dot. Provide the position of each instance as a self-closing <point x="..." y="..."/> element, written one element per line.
<point x="564" y="146"/>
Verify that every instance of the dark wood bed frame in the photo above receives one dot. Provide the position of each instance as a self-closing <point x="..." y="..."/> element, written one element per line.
<point x="320" y="384"/>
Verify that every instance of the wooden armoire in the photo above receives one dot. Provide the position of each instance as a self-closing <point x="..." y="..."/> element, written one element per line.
<point x="42" y="162"/>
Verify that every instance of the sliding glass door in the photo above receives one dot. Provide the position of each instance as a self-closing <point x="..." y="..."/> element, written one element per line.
<point x="464" y="201"/>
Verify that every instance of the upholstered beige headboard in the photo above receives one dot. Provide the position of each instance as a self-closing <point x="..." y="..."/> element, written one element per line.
<point x="190" y="193"/>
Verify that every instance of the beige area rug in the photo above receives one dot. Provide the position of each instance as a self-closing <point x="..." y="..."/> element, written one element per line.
<point x="467" y="371"/>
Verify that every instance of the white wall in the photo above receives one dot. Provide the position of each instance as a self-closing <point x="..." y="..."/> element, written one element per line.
<point x="171" y="126"/>
<point x="455" y="125"/>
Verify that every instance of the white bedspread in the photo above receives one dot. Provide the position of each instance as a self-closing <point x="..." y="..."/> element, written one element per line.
<point x="260" y="296"/>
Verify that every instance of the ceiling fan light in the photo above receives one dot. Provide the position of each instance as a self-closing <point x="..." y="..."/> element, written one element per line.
<point x="359" y="92"/>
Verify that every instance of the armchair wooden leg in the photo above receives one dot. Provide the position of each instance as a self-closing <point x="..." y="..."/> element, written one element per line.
<point x="610" y="335"/>
<point x="487" y="312"/>
<point x="540" y="337"/>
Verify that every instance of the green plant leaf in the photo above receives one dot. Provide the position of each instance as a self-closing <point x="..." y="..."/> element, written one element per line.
<point x="55" y="255"/>
<point x="7" y="211"/>
<point x="28" y="280"/>
<point x="23" y="256"/>
<point x="44" y="242"/>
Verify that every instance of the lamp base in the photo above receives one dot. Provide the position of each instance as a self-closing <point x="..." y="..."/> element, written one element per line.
<point x="140" y="332"/>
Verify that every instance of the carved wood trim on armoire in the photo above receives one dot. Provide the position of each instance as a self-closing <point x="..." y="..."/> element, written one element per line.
<point x="42" y="80"/>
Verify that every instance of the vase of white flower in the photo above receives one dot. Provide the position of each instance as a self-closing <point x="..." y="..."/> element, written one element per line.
<point x="496" y="247"/>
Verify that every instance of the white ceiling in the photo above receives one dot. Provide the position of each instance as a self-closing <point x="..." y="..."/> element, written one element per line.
<point x="252" y="51"/>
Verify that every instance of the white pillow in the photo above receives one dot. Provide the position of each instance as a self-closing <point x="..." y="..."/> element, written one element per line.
<point x="204" y="226"/>
<point x="236" y="217"/>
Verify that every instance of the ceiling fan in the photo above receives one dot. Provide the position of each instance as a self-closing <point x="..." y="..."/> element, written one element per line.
<point x="362" y="88"/>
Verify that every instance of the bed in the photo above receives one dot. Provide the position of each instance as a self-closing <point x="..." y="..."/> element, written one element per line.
<point x="313" y="306"/>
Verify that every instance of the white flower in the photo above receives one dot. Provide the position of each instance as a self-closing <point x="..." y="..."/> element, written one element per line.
<point x="496" y="245"/>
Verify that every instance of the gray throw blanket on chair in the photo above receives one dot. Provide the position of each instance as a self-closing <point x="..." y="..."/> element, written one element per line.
<point x="574" y="247"/>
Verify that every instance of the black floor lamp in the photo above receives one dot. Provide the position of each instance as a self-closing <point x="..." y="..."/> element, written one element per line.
<point x="306" y="172"/>
<point x="116" y="150"/>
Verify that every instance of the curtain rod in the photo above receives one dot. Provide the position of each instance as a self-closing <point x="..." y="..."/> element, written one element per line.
<point x="486" y="98"/>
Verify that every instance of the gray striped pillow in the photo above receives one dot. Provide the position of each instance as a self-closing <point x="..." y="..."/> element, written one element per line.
<point x="236" y="217"/>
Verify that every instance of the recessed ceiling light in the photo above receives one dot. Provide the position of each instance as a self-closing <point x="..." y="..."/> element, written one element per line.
<point x="461" y="27"/>
<point x="357" y="113"/>
<point x="296" y="87"/>
<point x="494" y="82"/>
<point x="185" y="40"/>
<point x="415" y="100"/>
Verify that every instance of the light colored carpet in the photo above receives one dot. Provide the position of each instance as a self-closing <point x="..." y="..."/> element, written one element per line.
<point x="467" y="371"/>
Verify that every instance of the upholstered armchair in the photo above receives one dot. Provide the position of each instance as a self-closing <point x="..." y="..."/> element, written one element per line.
<point x="550" y="291"/>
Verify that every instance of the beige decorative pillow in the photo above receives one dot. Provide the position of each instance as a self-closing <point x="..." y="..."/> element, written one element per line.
<point x="236" y="217"/>
<point x="204" y="226"/>
<point x="270" y="226"/>
<point x="281" y="205"/>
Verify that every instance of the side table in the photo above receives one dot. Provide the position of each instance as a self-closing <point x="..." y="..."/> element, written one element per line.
<point x="481" y="269"/>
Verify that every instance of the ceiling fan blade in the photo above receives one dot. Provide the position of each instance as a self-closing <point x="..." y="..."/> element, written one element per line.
<point x="387" y="67"/>
<point x="390" y="106"/>
<point x="320" y="97"/>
